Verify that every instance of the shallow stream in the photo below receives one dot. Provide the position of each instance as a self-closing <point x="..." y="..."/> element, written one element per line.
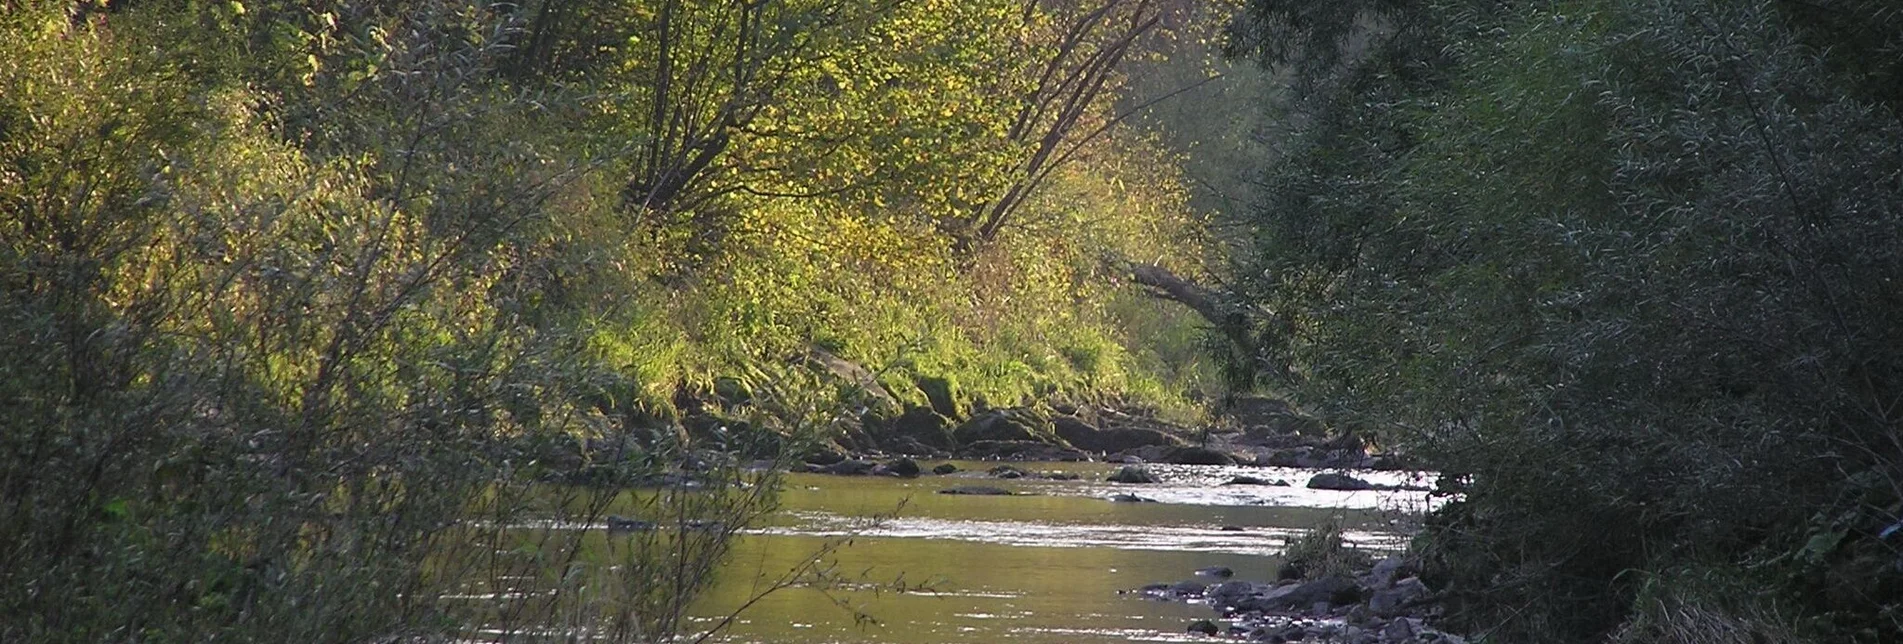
<point x="1043" y="567"/>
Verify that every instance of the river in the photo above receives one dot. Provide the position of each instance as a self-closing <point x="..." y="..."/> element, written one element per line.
<point x="1042" y="567"/>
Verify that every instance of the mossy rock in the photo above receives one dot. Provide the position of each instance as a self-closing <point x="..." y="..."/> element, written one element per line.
<point x="942" y="394"/>
<point x="922" y="425"/>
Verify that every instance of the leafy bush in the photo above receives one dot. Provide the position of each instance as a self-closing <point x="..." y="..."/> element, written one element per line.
<point x="1621" y="267"/>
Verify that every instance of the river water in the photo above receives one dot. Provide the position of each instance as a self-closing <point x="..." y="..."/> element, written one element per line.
<point x="1043" y="567"/>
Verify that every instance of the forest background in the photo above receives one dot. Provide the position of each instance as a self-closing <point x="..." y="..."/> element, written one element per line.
<point x="292" y="290"/>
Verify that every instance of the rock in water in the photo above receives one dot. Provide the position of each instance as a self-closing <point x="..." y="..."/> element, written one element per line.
<point x="1218" y="572"/>
<point x="904" y="467"/>
<point x="1198" y="456"/>
<point x="944" y="468"/>
<point x="618" y="524"/>
<point x="977" y="490"/>
<point x="1130" y="498"/>
<point x="850" y="467"/>
<point x="1006" y="472"/>
<point x="1333" y="481"/>
<point x="1132" y="474"/>
<point x="1203" y="626"/>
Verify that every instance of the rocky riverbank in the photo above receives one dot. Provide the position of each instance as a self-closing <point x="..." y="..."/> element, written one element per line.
<point x="1261" y="432"/>
<point x="1383" y="604"/>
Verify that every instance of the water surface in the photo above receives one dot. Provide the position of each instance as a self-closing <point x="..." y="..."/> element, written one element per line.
<point x="1043" y="567"/>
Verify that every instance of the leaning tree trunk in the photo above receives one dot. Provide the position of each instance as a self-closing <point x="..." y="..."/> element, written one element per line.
<point x="1236" y="323"/>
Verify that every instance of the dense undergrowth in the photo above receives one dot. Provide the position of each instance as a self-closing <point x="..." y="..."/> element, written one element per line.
<point x="1626" y="270"/>
<point x="298" y="302"/>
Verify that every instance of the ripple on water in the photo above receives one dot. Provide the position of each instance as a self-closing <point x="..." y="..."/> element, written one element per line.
<point x="1256" y="541"/>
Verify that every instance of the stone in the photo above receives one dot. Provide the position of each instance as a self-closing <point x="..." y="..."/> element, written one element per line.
<point x="850" y="467"/>
<point x="1399" y="630"/>
<point x="1330" y="590"/>
<point x="1335" y="481"/>
<point x="618" y="524"/>
<point x="1005" y="425"/>
<point x="903" y="467"/>
<point x="1023" y="451"/>
<point x="1383" y="574"/>
<point x="1130" y="498"/>
<point x="1347" y="441"/>
<point x="824" y="456"/>
<point x="923" y="426"/>
<point x="1229" y="592"/>
<point x="977" y="490"/>
<point x="1006" y="472"/>
<point x="1198" y="456"/>
<point x="944" y="468"/>
<point x="1203" y="626"/>
<point x="853" y="374"/>
<point x="1231" y="528"/>
<point x="942" y="395"/>
<point x="1189" y="588"/>
<point x="1218" y="572"/>
<point x="1132" y="474"/>
<point x="1250" y="480"/>
<point x="1388" y="602"/>
<point x="1083" y="435"/>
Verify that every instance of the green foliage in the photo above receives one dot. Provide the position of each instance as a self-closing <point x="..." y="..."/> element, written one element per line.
<point x="301" y="306"/>
<point x="1623" y="267"/>
<point x="1322" y="552"/>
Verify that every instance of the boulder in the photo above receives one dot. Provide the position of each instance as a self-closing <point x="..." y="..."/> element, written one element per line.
<point x="1228" y="593"/>
<point x="903" y="467"/>
<point x="824" y="456"/>
<point x="1005" y="425"/>
<point x="1198" y="456"/>
<point x="1085" y="436"/>
<point x="849" y="467"/>
<point x="1132" y="474"/>
<point x="619" y="524"/>
<point x="977" y="490"/>
<point x="1189" y="588"/>
<point x="1400" y="630"/>
<point x="944" y="468"/>
<point x="1291" y="457"/>
<point x="925" y="426"/>
<point x="1347" y="441"/>
<point x="942" y="395"/>
<point x="1389" y="602"/>
<point x="1203" y="626"/>
<point x="1269" y="416"/>
<point x="1383" y="574"/>
<point x="1334" y="481"/>
<point x="1334" y="590"/>
<point x="1006" y="472"/>
<point x="1250" y="480"/>
<point x="852" y="374"/>
<point x="1022" y="451"/>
